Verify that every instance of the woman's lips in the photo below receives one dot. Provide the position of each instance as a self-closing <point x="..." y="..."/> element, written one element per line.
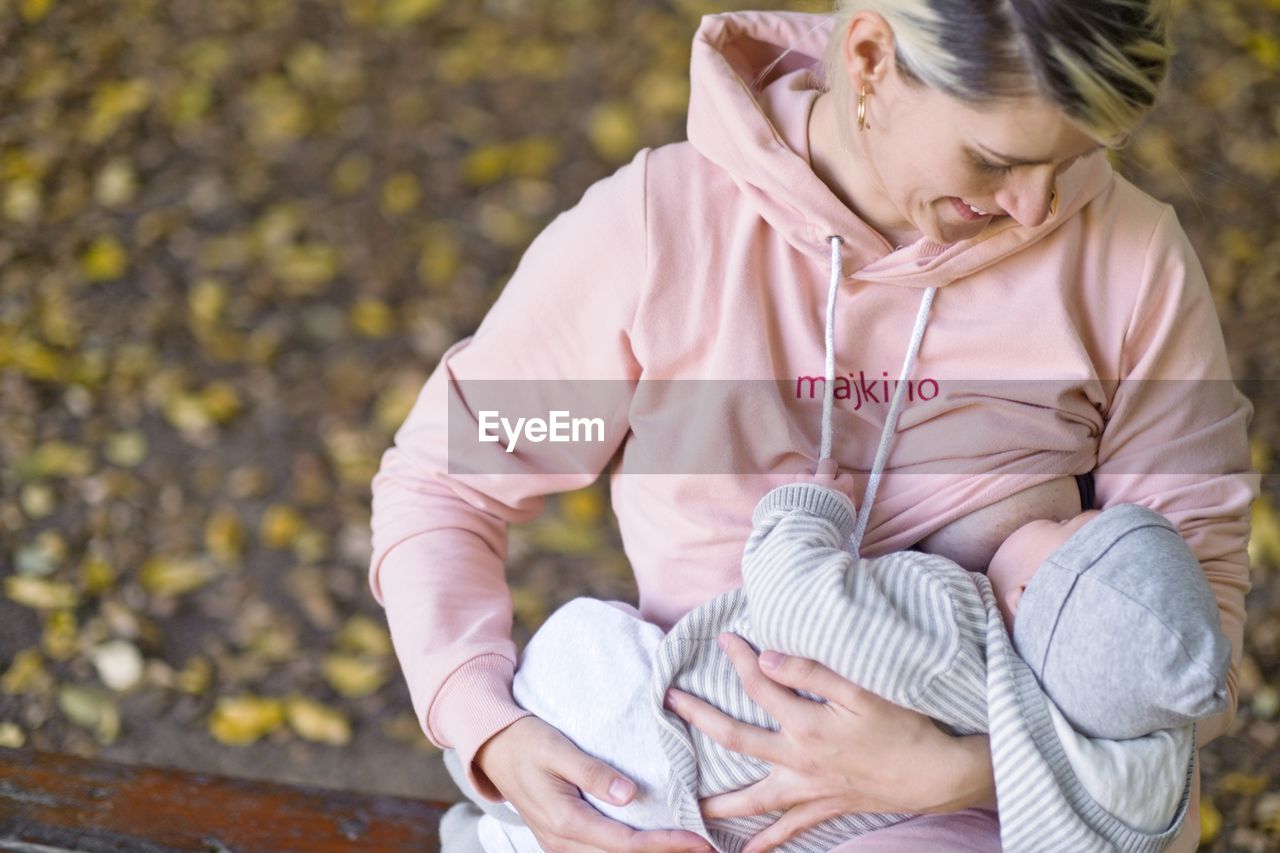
<point x="965" y="211"/>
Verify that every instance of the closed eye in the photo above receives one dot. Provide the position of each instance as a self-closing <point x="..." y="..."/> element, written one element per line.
<point x="993" y="168"/>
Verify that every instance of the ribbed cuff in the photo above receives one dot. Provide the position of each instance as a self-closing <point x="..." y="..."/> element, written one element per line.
<point x="813" y="499"/>
<point x="474" y="704"/>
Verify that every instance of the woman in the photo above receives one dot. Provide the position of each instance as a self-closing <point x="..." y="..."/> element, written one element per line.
<point x="953" y="154"/>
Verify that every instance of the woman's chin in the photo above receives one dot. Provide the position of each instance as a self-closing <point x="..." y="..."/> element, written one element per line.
<point x="946" y="233"/>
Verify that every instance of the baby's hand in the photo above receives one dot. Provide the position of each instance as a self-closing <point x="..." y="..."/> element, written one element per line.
<point x="828" y="474"/>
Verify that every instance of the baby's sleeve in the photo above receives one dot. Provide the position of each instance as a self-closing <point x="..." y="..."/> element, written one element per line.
<point x="807" y="596"/>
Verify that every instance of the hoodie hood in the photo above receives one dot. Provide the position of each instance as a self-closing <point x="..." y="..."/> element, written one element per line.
<point x="754" y="125"/>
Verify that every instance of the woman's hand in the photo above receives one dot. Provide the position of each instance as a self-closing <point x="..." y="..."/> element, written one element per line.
<point x="856" y="753"/>
<point x="541" y="772"/>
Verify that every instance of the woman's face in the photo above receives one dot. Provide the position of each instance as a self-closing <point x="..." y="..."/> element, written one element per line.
<point x="937" y="158"/>
<point x="927" y="159"/>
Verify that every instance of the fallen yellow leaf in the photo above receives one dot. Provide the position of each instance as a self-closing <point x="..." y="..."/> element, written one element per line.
<point x="126" y="449"/>
<point x="401" y="193"/>
<point x="112" y="103"/>
<point x="117" y="183"/>
<point x="220" y="400"/>
<point x="584" y="506"/>
<point x="350" y="174"/>
<point x="11" y="735"/>
<point x="92" y="709"/>
<point x="195" y="675"/>
<point x="1210" y="821"/>
<point x="371" y="317"/>
<point x="486" y="165"/>
<point x="440" y="258"/>
<point x="399" y="13"/>
<point x="306" y="269"/>
<point x="27" y="674"/>
<point x="280" y="525"/>
<point x="61" y="459"/>
<point x="174" y="575"/>
<point x="241" y="720"/>
<point x="529" y="605"/>
<point x="104" y="260"/>
<point x="206" y="301"/>
<point x="613" y="132"/>
<point x="40" y="593"/>
<point x="1264" y="539"/>
<point x="364" y="635"/>
<point x="59" y="636"/>
<point x="394" y="404"/>
<point x="23" y="201"/>
<point x="316" y="722"/>
<point x="224" y="535"/>
<point x="96" y="575"/>
<point x="34" y="10"/>
<point x="1243" y="783"/>
<point x="354" y="676"/>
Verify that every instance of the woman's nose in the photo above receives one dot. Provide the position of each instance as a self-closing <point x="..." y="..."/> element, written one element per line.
<point x="1028" y="197"/>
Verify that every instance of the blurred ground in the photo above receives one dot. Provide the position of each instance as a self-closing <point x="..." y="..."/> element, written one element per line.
<point x="235" y="237"/>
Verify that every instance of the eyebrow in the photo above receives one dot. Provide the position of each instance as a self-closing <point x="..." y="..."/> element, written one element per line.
<point x="1020" y="161"/>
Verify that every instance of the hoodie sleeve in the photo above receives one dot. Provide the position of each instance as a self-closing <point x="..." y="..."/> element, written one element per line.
<point x="1175" y="437"/>
<point x="439" y="535"/>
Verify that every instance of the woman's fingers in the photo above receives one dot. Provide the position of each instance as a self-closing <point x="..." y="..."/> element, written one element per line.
<point x="584" y="828"/>
<point x="791" y="824"/>
<point x="765" y="690"/>
<point x="767" y="795"/>
<point x="594" y="777"/>
<point x="812" y="677"/>
<point x="582" y="824"/>
<point x="733" y="735"/>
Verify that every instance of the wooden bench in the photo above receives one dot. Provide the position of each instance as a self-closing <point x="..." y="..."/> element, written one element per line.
<point x="51" y="802"/>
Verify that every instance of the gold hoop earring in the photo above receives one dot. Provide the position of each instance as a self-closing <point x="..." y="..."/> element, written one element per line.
<point x="862" y="108"/>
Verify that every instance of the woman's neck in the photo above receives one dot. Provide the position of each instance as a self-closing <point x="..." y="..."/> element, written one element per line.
<point x="851" y="175"/>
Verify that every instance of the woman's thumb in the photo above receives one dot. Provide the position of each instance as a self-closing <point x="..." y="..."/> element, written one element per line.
<point x="604" y="783"/>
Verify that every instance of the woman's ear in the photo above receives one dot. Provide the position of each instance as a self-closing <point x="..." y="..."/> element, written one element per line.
<point x="868" y="49"/>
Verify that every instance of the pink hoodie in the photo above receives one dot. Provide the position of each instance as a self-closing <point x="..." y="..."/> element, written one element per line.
<point x="709" y="260"/>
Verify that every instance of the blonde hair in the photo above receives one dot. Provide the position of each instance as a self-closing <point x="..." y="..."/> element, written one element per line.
<point x="1100" y="61"/>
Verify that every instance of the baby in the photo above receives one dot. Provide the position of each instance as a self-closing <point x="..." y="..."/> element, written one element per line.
<point x="1090" y="694"/>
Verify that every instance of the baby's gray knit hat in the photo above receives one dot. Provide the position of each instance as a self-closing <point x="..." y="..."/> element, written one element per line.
<point x="1121" y="629"/>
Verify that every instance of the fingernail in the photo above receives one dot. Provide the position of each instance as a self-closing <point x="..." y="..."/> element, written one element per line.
<point x="770" y="660"/>
<point x="619" y="789"/>
<point x="722" y="642"/>
<point x="669" y="700"/>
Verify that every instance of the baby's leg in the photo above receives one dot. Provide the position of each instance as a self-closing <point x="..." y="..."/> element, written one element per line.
<point x="586" y="672"/>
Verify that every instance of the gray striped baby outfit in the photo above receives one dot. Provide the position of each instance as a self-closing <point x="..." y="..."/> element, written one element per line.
<point x="916" y="629"/>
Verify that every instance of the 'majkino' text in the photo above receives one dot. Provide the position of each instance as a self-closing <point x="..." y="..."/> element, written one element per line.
<point x="557" y="428"/>
<point x="862" y="390"/>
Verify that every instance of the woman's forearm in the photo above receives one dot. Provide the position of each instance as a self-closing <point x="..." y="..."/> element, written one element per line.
<point x="972" y="781"/>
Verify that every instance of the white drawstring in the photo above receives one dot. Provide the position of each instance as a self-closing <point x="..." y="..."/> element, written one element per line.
<point x="829" y="389"/>
<point x="891" y="423"/>
<point x="895" y="408"/>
